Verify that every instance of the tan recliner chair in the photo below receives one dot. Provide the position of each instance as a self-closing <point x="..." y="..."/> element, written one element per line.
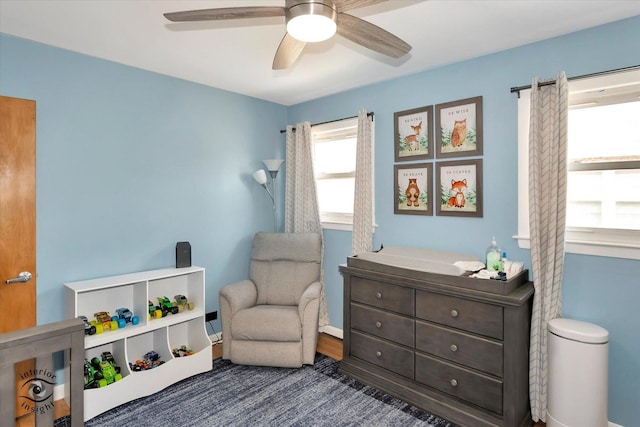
<point x="272" y="318"/>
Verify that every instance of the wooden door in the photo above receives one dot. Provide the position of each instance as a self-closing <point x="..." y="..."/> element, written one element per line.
<point x="17" y="220"/>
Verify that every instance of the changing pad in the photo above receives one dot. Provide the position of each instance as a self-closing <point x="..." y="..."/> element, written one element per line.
<point x="419" y="259"/>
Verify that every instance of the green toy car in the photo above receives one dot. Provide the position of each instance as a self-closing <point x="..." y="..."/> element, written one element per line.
<point x="167" y="306"/>
<point x="154" y="312"/>
<point x="90" y="375"/>
<point x="106" y="372"/>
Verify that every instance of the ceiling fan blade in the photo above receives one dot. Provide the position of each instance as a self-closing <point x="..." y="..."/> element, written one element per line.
<point x="287" y="53"/>
<point x="371" y="36"/>
<point x="225" y="13"/>
<point x="344" y="5"/>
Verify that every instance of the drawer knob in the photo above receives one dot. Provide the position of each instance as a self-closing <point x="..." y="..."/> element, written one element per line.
<point x="453" y="347"/>
<point x="378" y="354"/>
<point x="378" y="324"/>
<point x="453" y="382"/>
<point x="454" y="313"/>
<point x="378" y="295"/>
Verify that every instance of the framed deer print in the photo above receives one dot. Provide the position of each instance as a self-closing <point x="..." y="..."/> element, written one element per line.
<point x="459" y="128"/>
<point x="413" y="134"/>
<point x="413" y="189"/>
<point x="459" y="185"/>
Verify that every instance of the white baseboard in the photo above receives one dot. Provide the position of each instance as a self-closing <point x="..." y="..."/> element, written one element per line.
<point x="216" y="338"/>
<point x="58" y="392"/>
<point x="614" y="425"/>
<point x="332" y="330"/>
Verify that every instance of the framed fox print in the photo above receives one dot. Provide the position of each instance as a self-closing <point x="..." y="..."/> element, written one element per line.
<point x="459" y="128"/>
<point x="413" y="187"/>
<point x="413" y="134"/>
<point x="459" y="185"/>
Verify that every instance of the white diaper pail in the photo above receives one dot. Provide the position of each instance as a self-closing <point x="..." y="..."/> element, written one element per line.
<point x="577" y="374"/>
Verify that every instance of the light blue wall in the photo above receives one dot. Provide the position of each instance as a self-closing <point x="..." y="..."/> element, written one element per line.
<point x="604" y="291"/>
<point x="130" y="162"/>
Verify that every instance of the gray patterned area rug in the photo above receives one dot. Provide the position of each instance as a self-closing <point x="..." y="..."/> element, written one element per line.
<point x="234" y="395"/>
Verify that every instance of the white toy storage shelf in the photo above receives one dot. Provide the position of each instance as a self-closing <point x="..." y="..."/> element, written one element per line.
<point x="133" y="291"/>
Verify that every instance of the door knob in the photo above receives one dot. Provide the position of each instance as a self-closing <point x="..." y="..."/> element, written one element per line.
<point x="25" y="276"/>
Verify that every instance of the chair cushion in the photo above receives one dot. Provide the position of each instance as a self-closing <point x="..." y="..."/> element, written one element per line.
<point x="283" y="265"/>
<point x="267" y="323"/>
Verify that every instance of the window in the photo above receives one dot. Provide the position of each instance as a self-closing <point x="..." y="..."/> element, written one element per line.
<point x="603" y="187"/>
<point x="334" y="166"/>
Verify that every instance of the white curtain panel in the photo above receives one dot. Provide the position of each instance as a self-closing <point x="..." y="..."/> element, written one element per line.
<point x="547" y="217"/>
<point x="301" y="214"/>
<point x="362" y="237"/>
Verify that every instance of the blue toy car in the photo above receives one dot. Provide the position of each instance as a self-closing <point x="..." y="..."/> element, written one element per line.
<point x="124" y="314"/>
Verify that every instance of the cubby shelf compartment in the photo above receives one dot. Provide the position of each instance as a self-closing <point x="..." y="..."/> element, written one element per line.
<point x="132" y="342"/>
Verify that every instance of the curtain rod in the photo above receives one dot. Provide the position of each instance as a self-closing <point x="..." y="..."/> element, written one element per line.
<point x="585" y="76"/>
<point x="331" y="121"/>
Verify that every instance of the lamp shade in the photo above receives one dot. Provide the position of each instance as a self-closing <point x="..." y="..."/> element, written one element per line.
<point x="311" y="22"/>
<point x="260" y="176"/>
<point x="273" y="164"/>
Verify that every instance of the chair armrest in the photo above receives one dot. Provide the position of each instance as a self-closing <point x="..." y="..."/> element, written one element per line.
<point x="240" y="295"/>
<point x="311" y="293"/>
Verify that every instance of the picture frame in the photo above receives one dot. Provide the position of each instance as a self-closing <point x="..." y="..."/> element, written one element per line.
<point x="459" y="128"/>
<point x="459" y="188"/>
<point x="413" y="134"/>
<point x="413" y="189"/>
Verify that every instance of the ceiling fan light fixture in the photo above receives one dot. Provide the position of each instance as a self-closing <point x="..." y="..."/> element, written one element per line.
<point x="311" y="22"/>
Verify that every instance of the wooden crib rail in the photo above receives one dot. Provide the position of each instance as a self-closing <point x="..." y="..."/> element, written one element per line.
<point x="40" y="343"/>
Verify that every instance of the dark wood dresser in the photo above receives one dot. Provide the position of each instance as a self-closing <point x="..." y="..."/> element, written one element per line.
<point x="455" y="346"/>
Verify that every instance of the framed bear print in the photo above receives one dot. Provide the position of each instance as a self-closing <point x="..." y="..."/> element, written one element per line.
<point x="413" y="189"/>
<point x="413" y="134"/>
<point x="459" y="184"/>
<point x="459" y="128"/>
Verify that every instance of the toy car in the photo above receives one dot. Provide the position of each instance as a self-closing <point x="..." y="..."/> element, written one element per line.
<point x="149" y="361"/>
<point x="167" y="306"/>
<point x="151" y="356"/>
<point x="108" y="357"/>
<point x="109" y="374"/>
<point x="105" y="370"/>
<point x="126" y="315"/>
<point x="142" y="365"/>
<point x="182" y="351"/>
<point x="103" y="317"/>
<point x="154" y="312"/>
<point x="89" y="329"/>
<point x="183" y="303"/>
<point x="89" y="375"/>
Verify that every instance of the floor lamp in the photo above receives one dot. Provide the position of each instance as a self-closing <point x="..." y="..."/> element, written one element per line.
<point x="273" y="166"/>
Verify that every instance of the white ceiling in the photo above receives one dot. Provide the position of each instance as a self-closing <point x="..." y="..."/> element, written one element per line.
<point x="236" y="55"/>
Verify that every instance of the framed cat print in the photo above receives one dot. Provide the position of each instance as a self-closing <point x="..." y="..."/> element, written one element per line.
<point x="413" y="134"/>
<point x="459" y="185"/>
<point x="413" y="188"/>
<point x="459" y="128"/>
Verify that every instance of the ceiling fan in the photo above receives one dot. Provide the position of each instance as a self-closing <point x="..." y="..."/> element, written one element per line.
<point x="326" y="17"/>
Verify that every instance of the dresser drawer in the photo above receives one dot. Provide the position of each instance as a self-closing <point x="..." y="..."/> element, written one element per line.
<point x="475" y="388"/>
<point x="383" y="295"/>
<point x="383" y="324"/>
<point x="469" y="350"/>
<point x="472" y="316"/>
<point x="381" y="353"/>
